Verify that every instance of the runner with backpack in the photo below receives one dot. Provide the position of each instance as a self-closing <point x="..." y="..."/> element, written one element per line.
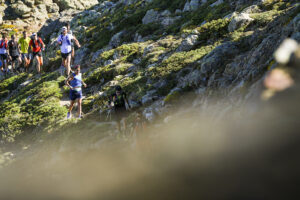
<point x="37" y="45"/>
<point x="65" y="42"/>
<point x="24" y="44"/>
<point x="14" y="52"/>
<point x="3" y="52"/>
<point x="117" y="101"/>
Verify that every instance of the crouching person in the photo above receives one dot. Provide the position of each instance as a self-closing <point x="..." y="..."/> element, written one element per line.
<point x="75" y="82"/>
<point x="118" y="101"/>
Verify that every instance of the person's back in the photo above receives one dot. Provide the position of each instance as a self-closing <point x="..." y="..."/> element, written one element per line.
<point x="36" y="44"/>
<point x="119" y="99"/>
<point x="3" y="46"/>
<point x="13" y="48"/>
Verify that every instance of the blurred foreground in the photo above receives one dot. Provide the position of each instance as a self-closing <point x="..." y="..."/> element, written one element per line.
<point x="250" y="152"/>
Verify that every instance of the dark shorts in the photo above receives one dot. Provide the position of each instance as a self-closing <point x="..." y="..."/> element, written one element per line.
<point x="75" y="95"/>
<point x="120" y="113"/>
<point x="39" y="54"/>
<point x="24" y="55"/>
<point x="65" y="55"/>
<point x="14" y="58"/>
<point x="3" y="57"/>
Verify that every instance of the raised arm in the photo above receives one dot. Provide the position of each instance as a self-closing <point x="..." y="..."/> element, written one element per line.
<point x="83" y="83"/>
<point x="76" y="41"/>
<point x="58" y="41"/>
<point x="29" y="47"/>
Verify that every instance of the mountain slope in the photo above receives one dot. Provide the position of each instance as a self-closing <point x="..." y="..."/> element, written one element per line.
<point x="158" y="52"/>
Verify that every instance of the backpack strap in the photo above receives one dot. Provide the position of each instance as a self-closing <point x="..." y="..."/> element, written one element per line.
<point x="3" y="43"/>
<point x="40" y="42"/>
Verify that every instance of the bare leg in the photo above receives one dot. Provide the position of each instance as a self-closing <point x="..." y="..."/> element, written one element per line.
<point x="68" y="60"/>
<point x="41" y="61"/>
<point x="73" y="56"/>
<point x="2" y="66"/>
<point x="79" y="107"/>
<point x="38" y="65"/>
<point x="12" y="66"/>
<point x="64" y="63"/>
<point x="71" y="106"/>
<point x="5" y="65"/>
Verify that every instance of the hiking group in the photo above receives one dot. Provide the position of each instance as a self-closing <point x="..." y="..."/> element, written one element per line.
<point x="24" y="51"/>
<point x="28" y="49"/>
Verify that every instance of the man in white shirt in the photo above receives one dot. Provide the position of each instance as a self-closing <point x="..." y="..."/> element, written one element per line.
<point x="65" y="42"/>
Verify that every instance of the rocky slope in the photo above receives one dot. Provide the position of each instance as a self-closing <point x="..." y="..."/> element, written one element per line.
<point x="32" y="14"/>
<point x="195" y="69"/>
<point x="160" y="52"/>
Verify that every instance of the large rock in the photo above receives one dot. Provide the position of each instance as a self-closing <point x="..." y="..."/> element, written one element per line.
<point x="150" y="17"/>
<point x="52" y="8"/>
<point x="168" y="21"/>
<point x="116" y="40"/>
<point x="128" y="2"/>
<point x="149" y="97"/>
<point x="81" y="54"/>
<point x="187" y="7"/>
<point x="188" y="43"/>
<point x="106" y="5"/>
<point x="29" y="3"/>
<point x="194" y="5"/>
<point x="218" y="57"/>
<point x="251" y="9"/>
<point x="74" y="4"/>
<point x="193" y="79"/>
<point x="20" y="8"/>
<point x="217" y="3"/>
<point x="239" y="20"/>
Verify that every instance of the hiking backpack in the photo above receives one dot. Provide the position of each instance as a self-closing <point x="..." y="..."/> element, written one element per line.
<point x="3" y="43"/>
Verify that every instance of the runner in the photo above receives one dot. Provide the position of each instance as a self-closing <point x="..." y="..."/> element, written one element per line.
<point x="3" y="52"/>
<point x="24" y="44"/>
<point x="118" y="101"/>
<point x="64" y="40"/>
<point x="13" y="52"/>
<point x="75" y="82"/>
<point x="37" y="46"/>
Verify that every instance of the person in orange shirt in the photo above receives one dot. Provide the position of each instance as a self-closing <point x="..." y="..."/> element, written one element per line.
<point x="37" y="45"/>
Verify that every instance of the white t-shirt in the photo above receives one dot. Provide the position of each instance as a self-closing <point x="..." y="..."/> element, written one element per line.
<point x="66" y="40"/>
<point x="3" y="50"/>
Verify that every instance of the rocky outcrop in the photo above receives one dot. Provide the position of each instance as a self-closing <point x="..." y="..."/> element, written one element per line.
<point x="20" y="9"/>
<point x="218" y="57"/>
<point x="75" y="4"/>
<point x="164" y="18"/>
<point x="218" y="2"/>
<point x="239" y="20"/>
<point x="150" y="17"/>
<point x="35" y="12"/>
<point x="188" y="43"/>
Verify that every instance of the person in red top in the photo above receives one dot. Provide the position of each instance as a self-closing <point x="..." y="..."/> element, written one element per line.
<point x="3" y="52"/>
<point x="36" y="45"/>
